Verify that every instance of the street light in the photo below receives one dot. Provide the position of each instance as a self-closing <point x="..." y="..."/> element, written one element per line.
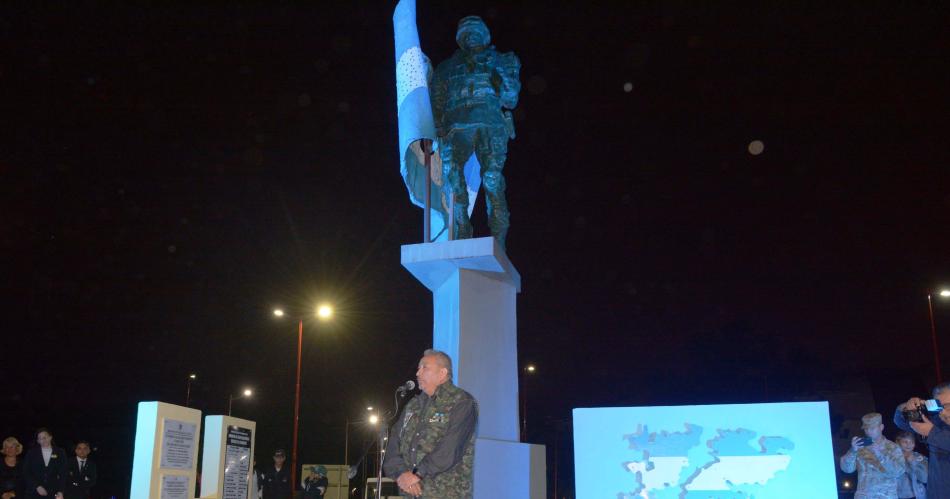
<point x="530" y="370"/>
<point x="933" y="330"/>
<point x="373" y="420"/>
<point x="245" y="394"/>
<point x="191" y="377"/>
<point x="324" y="312"/>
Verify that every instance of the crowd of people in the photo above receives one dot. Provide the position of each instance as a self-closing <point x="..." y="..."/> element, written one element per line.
<point x="46" y="471"/>
<point x="432" y="450"/>
<point x="894" y="470"/>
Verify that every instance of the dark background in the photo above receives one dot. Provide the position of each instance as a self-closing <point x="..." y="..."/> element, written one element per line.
<point x="171" y="173"/>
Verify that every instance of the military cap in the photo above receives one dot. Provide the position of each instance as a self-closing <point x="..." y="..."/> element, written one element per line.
<point x="870" y="420"/>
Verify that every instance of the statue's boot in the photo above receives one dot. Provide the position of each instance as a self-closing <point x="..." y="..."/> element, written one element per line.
<point x="463" y="225"/>
<point x="498" y="215"/>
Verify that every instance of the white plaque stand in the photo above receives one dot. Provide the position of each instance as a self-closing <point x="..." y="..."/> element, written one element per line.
<point x="228" y="459"/>
<point x="166" y="451"/>
<point x="474" y="291"/>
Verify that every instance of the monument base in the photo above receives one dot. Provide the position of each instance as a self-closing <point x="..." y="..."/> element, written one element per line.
<point x="474" y="292"/>
<point x="509" y="470"/>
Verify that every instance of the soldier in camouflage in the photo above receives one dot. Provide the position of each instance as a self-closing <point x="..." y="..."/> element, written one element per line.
<point x="472" y="95"/>
<point x="431" y="449"/>
<point x="880" y="465"/>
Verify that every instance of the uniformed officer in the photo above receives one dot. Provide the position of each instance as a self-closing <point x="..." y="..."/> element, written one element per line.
<point x="431" y="450"/>
<point x="880" y="464"/>
<point x="275" y="480"/>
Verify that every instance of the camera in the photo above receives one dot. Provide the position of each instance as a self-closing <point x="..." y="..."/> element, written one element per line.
<point x="912" y="416"/>
<point x="916" y="415"/>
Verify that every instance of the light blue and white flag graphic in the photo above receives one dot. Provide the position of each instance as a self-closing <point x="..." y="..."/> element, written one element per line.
<point x="414" y="109"/>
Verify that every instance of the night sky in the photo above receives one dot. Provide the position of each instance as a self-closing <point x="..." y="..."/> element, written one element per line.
<point x="170" y="174"/>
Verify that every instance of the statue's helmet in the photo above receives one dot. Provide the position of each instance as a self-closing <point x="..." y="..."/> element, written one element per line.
<point x="472" y="24"/>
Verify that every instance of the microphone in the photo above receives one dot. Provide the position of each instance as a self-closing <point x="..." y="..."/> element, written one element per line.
<point x="408" y="386"/>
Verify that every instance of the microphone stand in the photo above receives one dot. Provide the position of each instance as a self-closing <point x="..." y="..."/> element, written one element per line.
<point x="384" y="437"/>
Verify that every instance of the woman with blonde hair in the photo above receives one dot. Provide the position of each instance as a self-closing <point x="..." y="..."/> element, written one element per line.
<point x="11" y="478"/>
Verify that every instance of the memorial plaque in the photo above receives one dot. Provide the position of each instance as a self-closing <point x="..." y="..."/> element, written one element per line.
<point x="237" y="462"/>
<point x="175" y="487"/>
<point x="178" y="445"/>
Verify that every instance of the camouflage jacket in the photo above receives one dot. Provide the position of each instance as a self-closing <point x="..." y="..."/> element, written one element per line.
<point x="880" y="468"/>
<point x="436" y="439"/>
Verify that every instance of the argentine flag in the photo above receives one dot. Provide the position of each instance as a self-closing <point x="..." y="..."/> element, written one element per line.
<point x="415" y="123"/>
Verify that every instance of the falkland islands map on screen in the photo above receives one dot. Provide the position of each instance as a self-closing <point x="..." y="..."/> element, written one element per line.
<point x="778" y="450"/>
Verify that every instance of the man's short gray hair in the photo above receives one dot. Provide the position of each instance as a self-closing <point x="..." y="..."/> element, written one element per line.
<point x="942" y="387"/>
<point x="442" y="358"/>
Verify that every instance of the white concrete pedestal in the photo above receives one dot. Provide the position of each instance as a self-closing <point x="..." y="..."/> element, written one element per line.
<point x="227" y="461"/>
<point x="474" y="292"/>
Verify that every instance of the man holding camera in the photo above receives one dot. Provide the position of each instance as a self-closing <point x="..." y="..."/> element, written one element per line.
<point x="879" y="462"/>
<point x="934" y="427"/>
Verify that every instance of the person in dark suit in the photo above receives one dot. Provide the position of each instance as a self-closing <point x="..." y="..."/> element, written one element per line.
<point x="44" y="468"/>
<point x="80" y="473"/>
<point x="275" y="480"/>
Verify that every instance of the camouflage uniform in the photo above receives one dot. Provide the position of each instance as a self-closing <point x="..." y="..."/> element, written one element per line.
<point x="472" y="93"/>
<point x="880" y="467"/>
<point x="435" y="439"/>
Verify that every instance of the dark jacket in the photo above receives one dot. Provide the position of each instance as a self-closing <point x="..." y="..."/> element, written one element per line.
<point x="311" y="488"/>
<point x="36" y="473"/>
<point x="938" y="443"/>
<point x="11" y="478"/>
<point x="78" y="482"/>
<point x="275" y="484"/>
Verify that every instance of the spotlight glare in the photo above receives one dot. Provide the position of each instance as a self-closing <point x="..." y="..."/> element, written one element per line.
<point x="324" y="311"/>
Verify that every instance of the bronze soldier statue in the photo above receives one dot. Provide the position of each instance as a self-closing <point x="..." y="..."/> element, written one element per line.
<point x="472" y="95"/>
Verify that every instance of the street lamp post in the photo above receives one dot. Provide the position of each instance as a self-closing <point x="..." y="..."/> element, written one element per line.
<point x="293" y="458"/>
<point x="246" y="393"/>
<point x="529" y="370"/>
<point x="373" y="420"/>
<point x="324" y="312"/>
<point x="191" y="377"/>
<point x="944" y="293"/>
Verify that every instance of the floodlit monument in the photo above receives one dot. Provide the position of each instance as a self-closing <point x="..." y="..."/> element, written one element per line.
<point x="453" y="140"/>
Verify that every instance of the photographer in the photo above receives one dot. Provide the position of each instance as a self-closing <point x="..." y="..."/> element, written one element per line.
<point x="936" y="434"/>
<point x="879" y="462"/>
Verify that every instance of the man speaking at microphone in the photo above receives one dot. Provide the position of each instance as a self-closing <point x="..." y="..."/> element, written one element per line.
<point x="431" y="449"/>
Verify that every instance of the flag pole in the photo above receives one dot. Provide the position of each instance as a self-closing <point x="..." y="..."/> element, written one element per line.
<point x="426" y="217"/>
